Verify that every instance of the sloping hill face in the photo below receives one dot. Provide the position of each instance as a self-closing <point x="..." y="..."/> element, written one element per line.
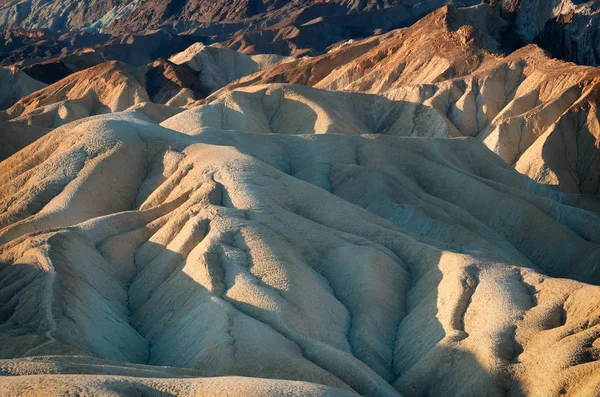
<point x="363" y="263"/>
<point x="296" y="109"/>
<point x="283" y="27"/>
<point x="216" y="66"/>
<point x="441" y="46"/>
<point x="299" y="27"/>
<point x="266" y="13"/>
<point x="138" y="16"/>
<point x="108" y="87"/>
<point x="156" y="91"/>
<point x="16" y="85"/>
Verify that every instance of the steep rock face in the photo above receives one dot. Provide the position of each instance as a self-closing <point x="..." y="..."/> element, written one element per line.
<point x="136" y="15"/>
<point x="568" y="152"/>
<point x="572" y="36"/>
<point x="290" y="28"/>
<point x="566" y="28"/>
<point x="156" y="90"/>
<point x="532" y="15"/>
<point x="274" y="26"/>
<point x="313" y="29"/>
<point x="266" y="12"/>
<point x="350" y="262"/>
<point x="441" y="46"/>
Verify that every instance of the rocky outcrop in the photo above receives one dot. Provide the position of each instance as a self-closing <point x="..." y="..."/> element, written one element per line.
<point x="442" y="46"/>
<point x="565" y="28"/>
<point x="169" y="83"/>
<point x="572" y="36"/>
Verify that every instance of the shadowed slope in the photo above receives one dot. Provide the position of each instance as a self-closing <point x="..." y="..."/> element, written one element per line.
<point x="15" y="85"/>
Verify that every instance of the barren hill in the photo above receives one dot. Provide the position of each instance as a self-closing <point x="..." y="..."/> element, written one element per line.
<point x="101" y="89"/>
<point x="237" y="226"/>
<point x="508" y="102"/>
<point x="296" y="198"/>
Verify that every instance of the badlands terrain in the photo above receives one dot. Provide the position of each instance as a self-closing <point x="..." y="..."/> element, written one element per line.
<point x="299" y="198"/>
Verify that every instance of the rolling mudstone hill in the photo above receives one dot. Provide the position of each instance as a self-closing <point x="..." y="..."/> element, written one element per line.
<point x="411" y="214"/>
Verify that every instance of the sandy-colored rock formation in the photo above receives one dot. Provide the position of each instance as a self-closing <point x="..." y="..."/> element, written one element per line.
<point x="114" y="86"/>
<point x="378" y="264"/>
<point x="108" y="87"/>
<point x="297" y="109"/>
<point x="216" y="66"/>
<point x="508" y="102"/>
<point x="158" y="90"/>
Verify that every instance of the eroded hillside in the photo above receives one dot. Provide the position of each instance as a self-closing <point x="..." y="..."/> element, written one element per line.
<point x="412" y="213"/>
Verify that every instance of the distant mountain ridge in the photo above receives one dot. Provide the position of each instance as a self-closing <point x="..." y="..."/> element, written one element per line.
<point x="296" y="27"/>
